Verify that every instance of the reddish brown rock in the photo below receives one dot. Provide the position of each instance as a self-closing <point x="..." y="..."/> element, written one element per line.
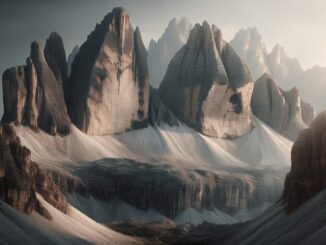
<point x="20" y="178"/>
<point x="14" y="94"/>
<point x="308" y="171"/>
<point x="50" y="191"/>
<point x="33" y="94"/>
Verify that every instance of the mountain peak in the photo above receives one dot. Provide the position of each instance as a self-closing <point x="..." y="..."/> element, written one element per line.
<point x="278" y="108"/>
<point x="161" y="51"/>
<point x="204" y="73"/>
<point x="110" y="67"/>
<point x="36" y="52"/>
<point x="248" y="38"/>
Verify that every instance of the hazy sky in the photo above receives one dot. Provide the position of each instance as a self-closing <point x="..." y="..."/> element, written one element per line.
<point x="298" y="25"/>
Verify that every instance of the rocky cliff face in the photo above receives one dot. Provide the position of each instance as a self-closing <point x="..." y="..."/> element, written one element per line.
<point x="146" y="185"/>
<point x="160" y="52"/>
<point x="20" y="178"/>
<point x="280" y="109"/>
<point x="250" y="46"/>
<point x="158" y="112"/>
<point x="308" y="171"/>
<point x="33" y="94"/>
<point x="207" y="86"/>
<point x="109" y="90"/>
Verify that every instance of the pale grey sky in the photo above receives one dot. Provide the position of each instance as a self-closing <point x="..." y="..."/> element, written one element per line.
<point x="298" y="25"/>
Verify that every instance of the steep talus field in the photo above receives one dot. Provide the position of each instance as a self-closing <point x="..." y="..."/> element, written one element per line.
<point x="75" y="228"/>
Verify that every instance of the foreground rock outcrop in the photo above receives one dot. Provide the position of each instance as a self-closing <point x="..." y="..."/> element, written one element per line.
<point x="207" y="85"/>
<point x="33" y="94"/>
<point x="108" y="91"/>
<point x="20" y="178"/>
<point x="308" y="171"/>
<point x="283" y="110"/>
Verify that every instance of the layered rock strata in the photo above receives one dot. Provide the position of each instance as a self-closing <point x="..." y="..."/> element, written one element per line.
<point x="169" y="190"/>
<point x="20" y="178"/>
<point x="71" y="58"/>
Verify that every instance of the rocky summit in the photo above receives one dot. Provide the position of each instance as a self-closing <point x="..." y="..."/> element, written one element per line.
<point x="161" y="52"/>
<point x="283" y="110"/>
<point x="207" y="85"/>
<point x="33" y="94"/>
<point x="109" y="90"/>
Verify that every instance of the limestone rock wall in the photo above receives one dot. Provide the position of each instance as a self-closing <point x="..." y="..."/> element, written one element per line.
<point x="169" y="190"/>
<point x="108" y="89"/>
<point x="33" y="94"/>
<point x="282" y="110"/>
<point x="207" y="86"/>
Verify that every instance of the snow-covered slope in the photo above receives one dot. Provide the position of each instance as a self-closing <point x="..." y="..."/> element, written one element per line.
<point x="75" y="228"/>
<point x="244" y="173"/>
<point x="179" y="145"/>
<point x="304" y="226"/>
